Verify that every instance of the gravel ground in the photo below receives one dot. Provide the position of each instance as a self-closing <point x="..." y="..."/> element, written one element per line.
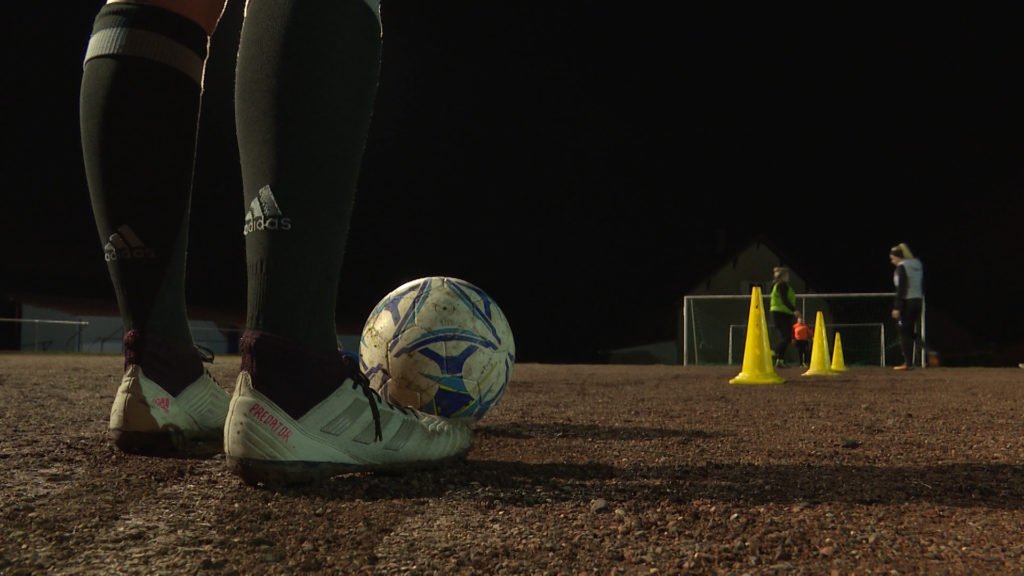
<point x="579" y="470"/>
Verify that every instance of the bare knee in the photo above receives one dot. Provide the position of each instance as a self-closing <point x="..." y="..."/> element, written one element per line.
<point x="206" y="13"/>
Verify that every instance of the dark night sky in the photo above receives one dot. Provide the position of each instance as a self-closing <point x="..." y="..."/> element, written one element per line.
<point x="587" y="163"/>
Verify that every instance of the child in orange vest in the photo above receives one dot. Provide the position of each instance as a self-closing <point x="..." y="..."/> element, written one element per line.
<point x="802" y="338"/>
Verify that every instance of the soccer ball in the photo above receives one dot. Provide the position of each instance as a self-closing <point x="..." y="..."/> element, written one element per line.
<point x="440" y="345"/>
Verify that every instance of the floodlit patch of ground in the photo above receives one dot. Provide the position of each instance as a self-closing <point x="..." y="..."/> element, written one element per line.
<point x="579" y="470"/>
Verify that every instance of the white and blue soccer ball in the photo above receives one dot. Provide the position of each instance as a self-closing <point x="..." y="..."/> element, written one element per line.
<point x="440" y="345"/>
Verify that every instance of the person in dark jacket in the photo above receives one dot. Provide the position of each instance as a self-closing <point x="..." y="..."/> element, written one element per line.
<point x="908" y="306"/>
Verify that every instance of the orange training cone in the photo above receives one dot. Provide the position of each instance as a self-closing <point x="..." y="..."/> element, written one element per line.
<point x="838" y="364"/>
<point x="757" y="355"/>
<point x="820" y="362"/>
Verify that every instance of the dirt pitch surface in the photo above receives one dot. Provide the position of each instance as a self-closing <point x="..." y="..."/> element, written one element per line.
<point x="580" y="470"/>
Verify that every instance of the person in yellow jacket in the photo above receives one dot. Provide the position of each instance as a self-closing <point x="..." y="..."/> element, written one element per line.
<point x="782" y="306"/>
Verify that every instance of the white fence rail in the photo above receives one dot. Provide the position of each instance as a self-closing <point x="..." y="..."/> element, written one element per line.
<point x="41" y="335"/>
<point x="104" y="335"/>
<point x="41" y="342"/>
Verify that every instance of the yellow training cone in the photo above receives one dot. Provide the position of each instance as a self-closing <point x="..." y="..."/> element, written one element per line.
<point x="820" y="362"/>
<point x="838" y="364"/>
<point x="757" y="355"/>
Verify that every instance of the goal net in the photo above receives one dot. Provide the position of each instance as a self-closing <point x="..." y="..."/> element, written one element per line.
<point x="715" y="327"/>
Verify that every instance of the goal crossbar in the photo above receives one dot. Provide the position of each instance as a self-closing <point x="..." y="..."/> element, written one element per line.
<point x="708" y="322"/>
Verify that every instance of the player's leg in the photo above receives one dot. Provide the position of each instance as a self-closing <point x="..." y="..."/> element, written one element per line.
<point x="140" y="98"/>
<point x="305" y="88"/>
<point x="914" y="312"/>
<point x="783" y="328"/>
<point x="790" y="321"/>
<point x="906" y="332"/>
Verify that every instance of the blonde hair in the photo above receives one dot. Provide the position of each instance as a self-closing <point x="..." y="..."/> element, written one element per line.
<point x="901" y="250"/>
<point x="781" y="272"/>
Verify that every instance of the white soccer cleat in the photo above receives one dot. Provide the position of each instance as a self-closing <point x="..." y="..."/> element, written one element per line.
<point x="145" y="418"/>
<point x="352" y="430"/>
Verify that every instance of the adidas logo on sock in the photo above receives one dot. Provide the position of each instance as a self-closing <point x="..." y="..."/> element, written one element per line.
<point x="125" y="244"/>
<point x="265" y="214"/>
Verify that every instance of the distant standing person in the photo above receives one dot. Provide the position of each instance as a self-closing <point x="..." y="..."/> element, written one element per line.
<point x="802" y="338"/>
<point x="782" y="306"/>
<point x="908" y="278"/>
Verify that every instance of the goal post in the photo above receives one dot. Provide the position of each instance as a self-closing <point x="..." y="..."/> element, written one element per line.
<point x="714" y="326"/>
